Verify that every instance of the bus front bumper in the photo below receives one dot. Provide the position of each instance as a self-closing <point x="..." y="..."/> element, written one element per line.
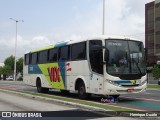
<point x="111" y="89"/>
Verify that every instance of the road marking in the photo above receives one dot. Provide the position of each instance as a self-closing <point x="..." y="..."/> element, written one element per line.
<point x="142" y="99"/>
<point x="128" y="107"/>
<point x="15" y="86"/>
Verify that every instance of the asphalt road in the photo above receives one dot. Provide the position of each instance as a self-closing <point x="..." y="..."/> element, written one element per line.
<point x="147" y="101"/>
<point x="17" y="105"/>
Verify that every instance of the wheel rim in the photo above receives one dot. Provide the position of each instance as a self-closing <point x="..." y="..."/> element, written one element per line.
<point x="81" y="90"/>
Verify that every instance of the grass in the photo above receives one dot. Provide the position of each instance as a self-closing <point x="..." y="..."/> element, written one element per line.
<point x="78" y="101"/>
<point x="153" y="86"/>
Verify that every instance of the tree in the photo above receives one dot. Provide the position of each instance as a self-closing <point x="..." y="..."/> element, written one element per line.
<point x="156" y="71"/>
<point x="1" y="68"/>
<point x="10" y="62"/>
<point x="6" y="70"/>
<point x="20" y="65"/>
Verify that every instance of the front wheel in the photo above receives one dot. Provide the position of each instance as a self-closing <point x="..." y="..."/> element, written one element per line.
<point x="40" y="89"/>
<point x="82" y="91"/>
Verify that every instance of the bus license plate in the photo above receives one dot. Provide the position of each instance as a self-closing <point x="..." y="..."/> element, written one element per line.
<point x="131" y="90"/>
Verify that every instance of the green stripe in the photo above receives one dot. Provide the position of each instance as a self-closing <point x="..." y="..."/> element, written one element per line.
<point x="41" y="49"/>
<point x="152" y="105"/>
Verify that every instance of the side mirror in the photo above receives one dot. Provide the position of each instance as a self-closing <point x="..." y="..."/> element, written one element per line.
<point x="106" y="55"/>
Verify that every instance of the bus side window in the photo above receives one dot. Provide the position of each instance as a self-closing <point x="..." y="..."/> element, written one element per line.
<point x="53" y="55"/>
<point x="33" y="58"/>
<point x="78" y="51"/>
<point x="96" y="56"/>
<point x="64" y="53"/>
<point x="43" y="57"/>
<point x="27" y="59"/>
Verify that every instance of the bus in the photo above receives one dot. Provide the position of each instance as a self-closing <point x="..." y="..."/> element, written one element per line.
<point x="107" y="66"/>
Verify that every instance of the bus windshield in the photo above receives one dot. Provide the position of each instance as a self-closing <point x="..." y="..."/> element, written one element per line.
<point x="126" y="58"/>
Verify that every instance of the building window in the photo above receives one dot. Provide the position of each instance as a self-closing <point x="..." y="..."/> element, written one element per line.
<point x="150" y="18"/>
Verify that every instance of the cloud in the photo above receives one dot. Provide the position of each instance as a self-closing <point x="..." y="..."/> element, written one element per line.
<point x="122" y="17"/>
<point x="7" y="47"/>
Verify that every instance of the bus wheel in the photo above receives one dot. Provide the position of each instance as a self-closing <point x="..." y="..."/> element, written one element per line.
<point x="40" y="89"/>
<point x="82" y="91"/>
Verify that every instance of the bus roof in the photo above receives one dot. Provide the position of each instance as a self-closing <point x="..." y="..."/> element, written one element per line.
<point x="68" y="42"/>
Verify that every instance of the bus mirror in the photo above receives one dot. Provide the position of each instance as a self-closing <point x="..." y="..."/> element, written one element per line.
<point x="106" y="55"/>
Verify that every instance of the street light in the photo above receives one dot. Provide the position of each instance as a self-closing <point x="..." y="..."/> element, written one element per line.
<point x="15" y="46"/>
<point x="103" y="21"/>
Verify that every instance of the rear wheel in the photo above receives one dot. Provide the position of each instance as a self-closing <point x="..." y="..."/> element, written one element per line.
<point x="40" y="89"/>
<point x="82" y="91"/>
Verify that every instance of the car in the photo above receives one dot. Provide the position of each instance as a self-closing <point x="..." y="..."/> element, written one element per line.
<point x="9" y="78"/>
<point x="20" y="78"/>
<point x="159" y="82"/>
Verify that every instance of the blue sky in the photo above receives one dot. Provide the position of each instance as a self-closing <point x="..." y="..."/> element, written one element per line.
<point x="49" y="21"/>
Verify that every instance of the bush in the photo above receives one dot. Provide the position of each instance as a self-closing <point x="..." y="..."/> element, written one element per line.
<point x="156" y="71"/>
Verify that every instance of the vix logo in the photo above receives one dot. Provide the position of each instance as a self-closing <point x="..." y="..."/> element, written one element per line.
<point x="54" y="72"/>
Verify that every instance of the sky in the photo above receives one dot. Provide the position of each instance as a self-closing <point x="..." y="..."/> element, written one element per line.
<point x="49" y="21"/>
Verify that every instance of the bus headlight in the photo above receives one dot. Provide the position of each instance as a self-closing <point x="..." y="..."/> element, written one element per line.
<point x="143" y="82"/>
<point x="113" y="82"/>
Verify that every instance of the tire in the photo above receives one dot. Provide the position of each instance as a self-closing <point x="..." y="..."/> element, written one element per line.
<point x="82" y="91"/>
<point x="40" y="89"/>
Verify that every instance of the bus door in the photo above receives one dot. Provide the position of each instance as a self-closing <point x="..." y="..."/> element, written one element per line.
<point x="96" y="66"/>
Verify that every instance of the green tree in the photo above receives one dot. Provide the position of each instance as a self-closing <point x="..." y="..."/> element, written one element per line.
<point x="156" y="71"/>
<point x="6" y="70"/>
<point x="10" y="62"/>
<point x="1" y="68"/>
<point x="20" y="65"/>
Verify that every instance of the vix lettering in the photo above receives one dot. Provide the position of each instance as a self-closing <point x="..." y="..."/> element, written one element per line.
<point x="54" y="72"/>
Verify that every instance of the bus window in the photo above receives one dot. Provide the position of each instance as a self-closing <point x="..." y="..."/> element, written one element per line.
<point x="64" y="53"/>
<point x="33" y="58"/>
<point x="80" y="53"/>
<point x="43" y="57"/>
<point x="26" y="59"/>
<point x="53" y="55"/>
<point x="96" y="56"/>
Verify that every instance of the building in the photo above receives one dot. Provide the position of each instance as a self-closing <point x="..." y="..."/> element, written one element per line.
<point x="152" y="31"/>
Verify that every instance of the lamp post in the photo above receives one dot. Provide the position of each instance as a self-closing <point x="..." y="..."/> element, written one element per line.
<point x="103" y="21"/>
<point x="15" y="46"/>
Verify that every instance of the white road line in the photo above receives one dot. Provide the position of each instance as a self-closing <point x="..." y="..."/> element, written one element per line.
<point x="143" y="99"/>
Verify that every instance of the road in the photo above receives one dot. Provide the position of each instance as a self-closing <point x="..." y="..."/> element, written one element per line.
<point x="148" y="101"/>
<point x="25" y="106"/>
<point x="17" y="105"/>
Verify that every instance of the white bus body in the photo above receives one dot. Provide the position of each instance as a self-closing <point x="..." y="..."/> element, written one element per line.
<point x="100" y="65"/>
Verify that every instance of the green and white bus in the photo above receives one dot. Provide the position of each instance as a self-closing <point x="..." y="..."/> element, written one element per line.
<point x="101" y="65"/>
